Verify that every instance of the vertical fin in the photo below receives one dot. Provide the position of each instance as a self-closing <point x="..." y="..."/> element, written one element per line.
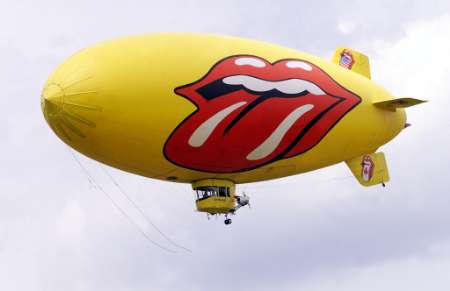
<point x="369" y="169"/>
<point x="352" y="60"/>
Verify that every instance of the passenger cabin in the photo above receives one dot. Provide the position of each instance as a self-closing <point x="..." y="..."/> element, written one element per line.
<point x="214" y="196"/>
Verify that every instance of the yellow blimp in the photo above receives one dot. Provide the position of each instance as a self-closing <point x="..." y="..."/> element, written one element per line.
<point x="215" y="111"/>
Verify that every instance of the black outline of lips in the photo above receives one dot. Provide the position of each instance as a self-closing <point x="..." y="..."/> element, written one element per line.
<point x="303" y="132"/>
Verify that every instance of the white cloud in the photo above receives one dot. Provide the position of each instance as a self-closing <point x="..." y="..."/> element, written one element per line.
<point x="414" y="273"/>
<point x="346" y="26"/>
<point x="417" y="65"/>
<point x="72" y="222"/>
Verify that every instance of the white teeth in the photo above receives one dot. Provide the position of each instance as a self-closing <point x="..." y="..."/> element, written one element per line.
<point x="299" y="65"/>
<point x="250" y="61"/>
<point x="250" y="83"/>
<point x="291" y="86"/>
<point x="271" y="143"/>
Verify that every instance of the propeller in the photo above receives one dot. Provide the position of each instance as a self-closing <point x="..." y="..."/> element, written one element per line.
<point x="245" y="200"/>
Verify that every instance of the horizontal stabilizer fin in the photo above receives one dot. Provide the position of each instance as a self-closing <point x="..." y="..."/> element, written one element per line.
<point x="352" y="60"/>
<point x="370" y="169"/>
<point x="398" y="103"/>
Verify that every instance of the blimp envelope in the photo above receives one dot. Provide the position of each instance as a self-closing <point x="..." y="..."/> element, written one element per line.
<point x="188" y="107"/>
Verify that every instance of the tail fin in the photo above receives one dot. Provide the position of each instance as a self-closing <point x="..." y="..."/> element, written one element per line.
<point x="370" y="169"/>
<point x="403" y="102"/>
<point x="352" y="60"/>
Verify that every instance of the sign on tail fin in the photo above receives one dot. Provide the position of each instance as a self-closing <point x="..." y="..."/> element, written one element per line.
<point x="369" y="169"/>
<point x="352" y="60"/>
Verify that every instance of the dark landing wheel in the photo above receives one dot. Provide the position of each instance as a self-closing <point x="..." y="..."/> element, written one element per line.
<point x="227" y="221"/>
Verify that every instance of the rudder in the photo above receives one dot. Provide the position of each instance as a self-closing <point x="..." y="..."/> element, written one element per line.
<point x="352" y="60"/>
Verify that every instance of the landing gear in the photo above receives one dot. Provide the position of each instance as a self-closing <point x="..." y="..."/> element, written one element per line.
<point x="227" y="221"/>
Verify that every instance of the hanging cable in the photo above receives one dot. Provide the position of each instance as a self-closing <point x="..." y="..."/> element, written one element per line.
<point x="91" y="180"/>
<point x="139" y="209"/>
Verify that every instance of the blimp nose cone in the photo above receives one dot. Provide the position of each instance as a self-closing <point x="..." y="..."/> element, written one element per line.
<point x="52" y="100"/>
<point x="68" y="102"/>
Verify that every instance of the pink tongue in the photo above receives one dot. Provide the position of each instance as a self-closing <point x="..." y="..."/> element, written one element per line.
<point x="209" y="140"/>
<point x="269" y="145"/>
<point x="258" y="137"/>
<point x="256" y="127"/>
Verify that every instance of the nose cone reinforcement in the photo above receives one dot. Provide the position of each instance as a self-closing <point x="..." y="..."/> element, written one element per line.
<point x="52" y="101"/>
<point x="66" y="104"/>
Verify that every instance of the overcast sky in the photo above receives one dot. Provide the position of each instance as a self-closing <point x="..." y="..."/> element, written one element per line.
<point x="317" y="231"/>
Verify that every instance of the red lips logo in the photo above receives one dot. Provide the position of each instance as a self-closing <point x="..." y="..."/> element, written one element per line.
<point x="252" y="112"/>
